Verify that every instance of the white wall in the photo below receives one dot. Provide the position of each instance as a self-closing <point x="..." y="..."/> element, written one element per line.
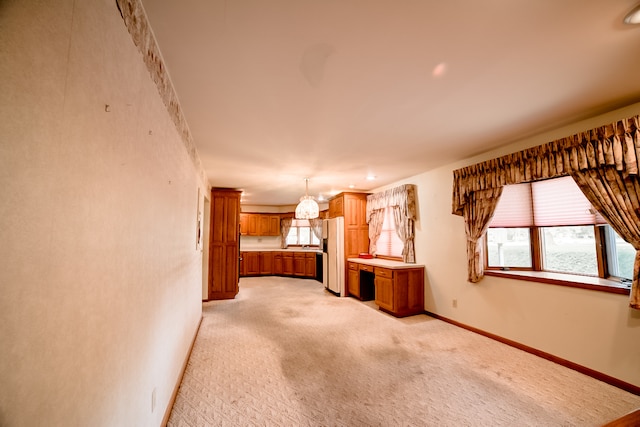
<point x="100" y="276"/>
<point x="593" y="329"/>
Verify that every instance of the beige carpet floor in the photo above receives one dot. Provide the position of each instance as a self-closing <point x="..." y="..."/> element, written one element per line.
<point x="285" y="352"/>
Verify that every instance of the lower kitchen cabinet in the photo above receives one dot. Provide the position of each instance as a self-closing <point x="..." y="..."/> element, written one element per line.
<point x="266" y="263"/>
<point x="310" y="264"/>
<point x="298" y="264"/>
<point x="287" y="263"/>
<point x="278" y="263"/>
<point x="251" y="263"/>
<point x="400" y="291"/>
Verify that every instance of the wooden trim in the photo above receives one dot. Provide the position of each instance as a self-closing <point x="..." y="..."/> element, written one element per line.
<point x="560" y="361"/>
<point x="167" y="411"/>
<point x="632" y="419"/>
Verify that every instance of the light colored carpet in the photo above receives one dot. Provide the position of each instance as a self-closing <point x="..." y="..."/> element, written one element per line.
<point x="285" y="352"/>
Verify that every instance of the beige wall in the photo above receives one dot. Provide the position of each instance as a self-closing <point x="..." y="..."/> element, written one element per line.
<point x="591" y="328"/>
<point x="100" y="276"/>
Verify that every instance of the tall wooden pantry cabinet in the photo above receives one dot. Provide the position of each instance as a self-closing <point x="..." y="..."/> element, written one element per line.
<point x="224" y="244"/>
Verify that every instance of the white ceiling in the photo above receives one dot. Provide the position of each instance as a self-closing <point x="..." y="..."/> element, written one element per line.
<point x="278" y="90"/>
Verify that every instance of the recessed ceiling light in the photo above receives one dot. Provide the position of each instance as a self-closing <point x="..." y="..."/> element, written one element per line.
<point x="371" y="177"/>
<point x="439" y="70"/>
<point x="633" y="17"/>
<point x="352" y="186"/>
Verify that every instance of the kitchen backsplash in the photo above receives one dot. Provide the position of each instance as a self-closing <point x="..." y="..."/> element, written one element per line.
<point x="259" y="242"/>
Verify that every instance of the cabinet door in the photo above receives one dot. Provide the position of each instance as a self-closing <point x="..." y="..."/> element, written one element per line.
<point x="243" y="270"/>
<point x="287" y="264"/>
<point x="252" y="225"/>
<point x="263" y="225"/>
<point x="274" y="225"/>
<point x="252" y="263"/>
<point x="310" y="265"/>
<point x="277" y="263"/>
<point x="384" y="289"/>
<point x="298" y="264"/>
<point x="353" y="283"/>
<point x="336" y="207"/>
<point x="244" y="223"/>
<point x="224" y="244"/>
<point x="266" y="263"/>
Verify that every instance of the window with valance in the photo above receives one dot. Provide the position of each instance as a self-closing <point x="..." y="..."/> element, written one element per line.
<point x="604" y="163"/>
<point x="402" y="201"/>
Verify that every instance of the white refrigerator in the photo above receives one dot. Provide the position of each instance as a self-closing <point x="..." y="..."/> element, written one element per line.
<point x="333" y="255"/>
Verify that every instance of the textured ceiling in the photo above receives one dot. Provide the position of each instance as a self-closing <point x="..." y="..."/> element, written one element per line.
<point x="276" y="91"/>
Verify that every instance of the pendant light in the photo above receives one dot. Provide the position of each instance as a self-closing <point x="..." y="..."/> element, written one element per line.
<point x="307" y="208"/>
<point x="633" y="17"/>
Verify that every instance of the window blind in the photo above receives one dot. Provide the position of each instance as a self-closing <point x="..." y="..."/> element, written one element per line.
<point x="553" y="202"/>
<point x="514" y="208"/>
<point x="389" y="244"/>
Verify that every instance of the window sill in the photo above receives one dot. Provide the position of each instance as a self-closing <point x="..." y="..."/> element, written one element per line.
<point x="571" y="280"/>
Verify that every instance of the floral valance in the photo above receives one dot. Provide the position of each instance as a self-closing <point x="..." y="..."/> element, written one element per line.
<point x="611" y="145"/>
<point x="403" y="196"/>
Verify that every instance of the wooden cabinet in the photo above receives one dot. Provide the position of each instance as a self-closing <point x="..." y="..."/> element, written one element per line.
<point x="256" y="224"/>
<point x="353" y="207"/>
<point x="353" y="279"/>
<point x="400" y="291"/>
<point x="243" y="270"/>
<point x="360" y="281"/>
<point x="277" y="263"/>
<point x="266" y="263"/>
<point x="224" y="244"/>
<point x="310" y="264"/>
<point x="336" y="206"/>
<point x="287" y="263"/>
<point x="269" y="225"/>
<point x="251" y="263"/>
<point x="248" y="224"/>
<point x="299" y="264"/>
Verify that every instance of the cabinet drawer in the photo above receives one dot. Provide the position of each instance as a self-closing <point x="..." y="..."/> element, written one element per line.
<point x="384" y="272"/>
<point x="365" y="267"/>
<point x="353" y="266"/>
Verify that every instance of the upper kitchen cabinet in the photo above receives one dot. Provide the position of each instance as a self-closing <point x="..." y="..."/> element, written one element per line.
<point x="353" y="207"/>
<point x="256" y="224"/>
<point x="224" y="244"/>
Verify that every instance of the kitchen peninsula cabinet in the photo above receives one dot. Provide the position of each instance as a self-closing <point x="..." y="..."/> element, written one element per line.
<point x="224" y="244"/>
<point x="398" y="287"/>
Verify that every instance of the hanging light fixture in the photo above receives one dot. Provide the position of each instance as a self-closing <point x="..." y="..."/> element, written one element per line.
<point x="307" y="208"/>
<point x="633" y="17"/>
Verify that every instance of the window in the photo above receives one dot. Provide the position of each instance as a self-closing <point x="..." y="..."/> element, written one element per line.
<point x="300" y="234"/>
<point x="389" y="244"/>
<point x="551" y="226"/>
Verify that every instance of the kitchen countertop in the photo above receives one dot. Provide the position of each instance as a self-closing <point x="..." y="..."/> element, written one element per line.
<point x="314" y="250"/>
<point x="386" y="263"/>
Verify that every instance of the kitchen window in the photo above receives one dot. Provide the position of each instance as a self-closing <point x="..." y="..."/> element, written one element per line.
<point x="550" y="226"/>
<point x="389" y="244"/>
<point x="300" y="234"/>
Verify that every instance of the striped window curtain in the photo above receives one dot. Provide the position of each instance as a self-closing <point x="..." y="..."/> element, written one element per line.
<point x="603" y="161"/>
